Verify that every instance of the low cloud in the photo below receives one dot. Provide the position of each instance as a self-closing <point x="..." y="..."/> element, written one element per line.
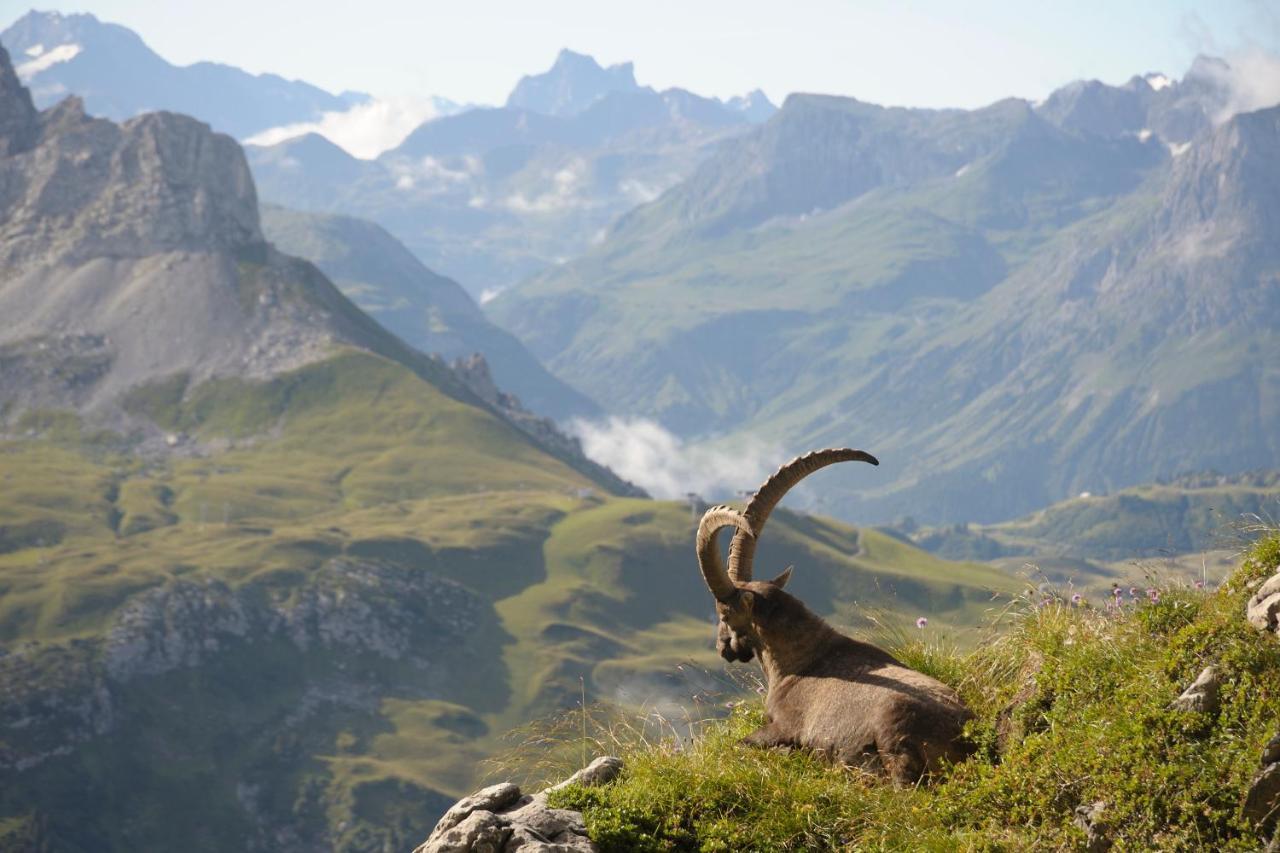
<point x="365" y="130"/>
<point x="562" y="190"/>
<point x="1252" y="81"/>
<point x="649" y="455"/>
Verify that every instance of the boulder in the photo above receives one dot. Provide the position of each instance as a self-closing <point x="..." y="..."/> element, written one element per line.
<point x="491" y="799"/>
<point x="499" y="819"/>
<point x="1090" y="819"/>
<point x="602" y="771"/>
<point x="1263" y="609"/>
<point x="1202" y="695"/>
<point x="479" y="832"/>
<point x="1262" y="802"/>
<point x="1271" y="752"/>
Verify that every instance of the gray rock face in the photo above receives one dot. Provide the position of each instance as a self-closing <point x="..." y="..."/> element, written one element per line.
<point x="1263" y="609"/>
<point x="130" y="253"/>
<point x="18" y="125"/>
<point x="1202" y="695"/>
<point x="498" y="819"/>
<point x="89" y="188"/>
<point x="348" y="605"/>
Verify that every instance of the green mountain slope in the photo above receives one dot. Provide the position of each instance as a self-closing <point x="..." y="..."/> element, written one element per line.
<point x="1007" y="312"/>
<point x="306" y="623"/>
<point x="1185" y="516"/>
<point x="429" y="312"/>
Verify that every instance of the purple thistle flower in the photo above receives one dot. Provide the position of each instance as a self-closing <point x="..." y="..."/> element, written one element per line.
<point x="1133" y="592"/>
<point x="921" y="622"/>
<point x="1199" y="584"/>
<point x="1077" y="598"/>
<point x="1117" y="592"/>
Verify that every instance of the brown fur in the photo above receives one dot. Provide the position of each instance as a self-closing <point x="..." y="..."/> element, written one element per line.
<point x="847" y="699"/>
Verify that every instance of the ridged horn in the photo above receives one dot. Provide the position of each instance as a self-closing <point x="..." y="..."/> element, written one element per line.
<point x="742" y="550"/>
<point x="713" y="571"/>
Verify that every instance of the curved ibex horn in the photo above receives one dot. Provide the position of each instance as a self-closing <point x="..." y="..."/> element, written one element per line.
<point x="742" y="550"/>
<point x="709" y="553"/>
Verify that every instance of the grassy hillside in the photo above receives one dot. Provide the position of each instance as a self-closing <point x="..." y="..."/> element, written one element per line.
<point x="1187" y="516"/>
<point x="305" y="616"/>
<point x="1072" y="708"/>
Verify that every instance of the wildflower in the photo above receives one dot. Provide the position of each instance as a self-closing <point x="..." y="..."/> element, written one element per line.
<point x="921" y="622"/>
<point x="1199" y="584"/>
<point x="1117" y="592"/>
<point x="1133" y="592"/>
<point x="1077" y="599"/>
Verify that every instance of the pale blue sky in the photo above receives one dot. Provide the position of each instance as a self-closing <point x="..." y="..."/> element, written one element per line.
<point x="912" y="53"/>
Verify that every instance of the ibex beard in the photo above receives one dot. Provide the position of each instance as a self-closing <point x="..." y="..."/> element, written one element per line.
<point x="843" y="698"/>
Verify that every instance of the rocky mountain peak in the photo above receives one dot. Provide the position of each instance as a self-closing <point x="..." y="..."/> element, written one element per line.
<point x="1231" y="176"/>
<point x="77" y="187"/>
<point x="18" y="125"/>
<point x="573" y="83"/>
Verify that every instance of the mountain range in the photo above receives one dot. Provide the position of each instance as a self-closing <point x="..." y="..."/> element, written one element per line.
<point x="491" y="195"/>
<point x="1010" y="305"/>
<point x="118" y="76"/>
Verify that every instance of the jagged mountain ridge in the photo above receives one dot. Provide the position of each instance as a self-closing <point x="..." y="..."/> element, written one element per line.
<point x="118" y="77"/>
<point x="491" y="195"/>
<point x="574" y="83"/>
<point x="1006" y="310"/>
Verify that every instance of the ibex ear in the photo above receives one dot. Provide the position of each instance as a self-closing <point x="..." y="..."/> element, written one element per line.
<point x="747" y="598"/>
<point x="781" y="580"/>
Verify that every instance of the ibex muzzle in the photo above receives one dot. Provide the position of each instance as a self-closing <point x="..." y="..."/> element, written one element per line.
<point x="847" y="699"/>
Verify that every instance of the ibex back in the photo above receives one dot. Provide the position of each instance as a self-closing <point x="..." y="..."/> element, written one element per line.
<point x="847" y="699"/>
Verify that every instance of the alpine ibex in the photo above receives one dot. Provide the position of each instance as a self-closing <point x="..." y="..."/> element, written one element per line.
<point x="846" y="699"/>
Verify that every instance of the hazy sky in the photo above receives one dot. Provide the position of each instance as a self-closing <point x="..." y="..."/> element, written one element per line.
<point x="911" y="53"/>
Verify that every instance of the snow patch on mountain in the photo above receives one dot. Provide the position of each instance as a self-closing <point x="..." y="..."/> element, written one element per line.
<point x="46" y="59"/>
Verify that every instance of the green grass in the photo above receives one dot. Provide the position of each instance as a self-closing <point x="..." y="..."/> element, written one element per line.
<point x="1072" y="708"/>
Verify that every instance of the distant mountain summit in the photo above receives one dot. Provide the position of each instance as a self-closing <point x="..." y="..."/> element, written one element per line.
<point x="119" y="77"/>
<point x="572" y="84"/>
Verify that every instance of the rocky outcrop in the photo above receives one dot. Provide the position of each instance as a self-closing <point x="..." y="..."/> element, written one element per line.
<point x="57" y="696"/>
<point x="1202" y="696"/>
<point x="89" y="188"/>
<point x="499" y="819"/>
<point x="1263" y="609"/>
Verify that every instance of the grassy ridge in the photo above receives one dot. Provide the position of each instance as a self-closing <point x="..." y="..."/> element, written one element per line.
<point x="1072" y="708"/>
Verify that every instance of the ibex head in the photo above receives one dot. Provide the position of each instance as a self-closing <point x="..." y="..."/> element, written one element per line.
<point x="736" y="600"/>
